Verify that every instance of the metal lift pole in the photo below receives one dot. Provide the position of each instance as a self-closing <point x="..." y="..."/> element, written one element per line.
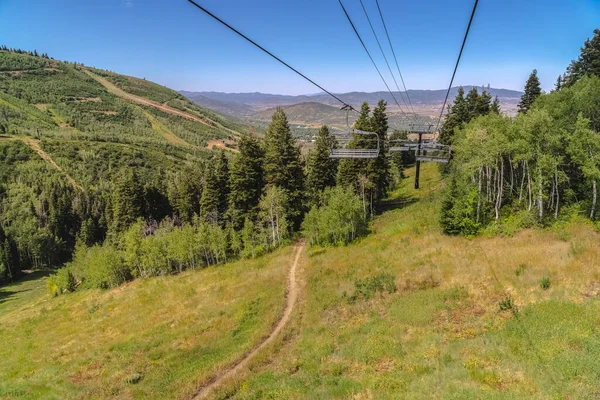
<point x="418" y="162"/>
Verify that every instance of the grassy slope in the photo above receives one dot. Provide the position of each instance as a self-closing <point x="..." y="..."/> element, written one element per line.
<point x="442" y="334"/>
<point x="176" y="332"/>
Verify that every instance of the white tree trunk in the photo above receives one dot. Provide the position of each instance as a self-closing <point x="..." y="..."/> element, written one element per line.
<point x="479" y="194"/>
<point x="540" y="194"/>
<point x="594" y="199"/>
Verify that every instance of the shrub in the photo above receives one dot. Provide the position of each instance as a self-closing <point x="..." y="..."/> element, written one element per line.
<point x="507" y="304"/>
<point x="100" y="267"/>
<point x="545" y="283"/>
<point x="368" y="287"/>
<point x="133" y="378"/>
<point x="62" y="281"/>
<point x="520" y="269"/>
<point x="339" y="220"/>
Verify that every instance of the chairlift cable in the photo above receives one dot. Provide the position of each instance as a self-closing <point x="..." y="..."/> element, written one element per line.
<point x="346" y="105"/>
<point x="457" y="62"/>
<point x="369" y="54"/>
<point x="383" y="54"/>
<point x="395" y="58"/>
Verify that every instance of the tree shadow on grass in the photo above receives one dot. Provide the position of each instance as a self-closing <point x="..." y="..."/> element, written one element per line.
<point x="396" y="203"/>
<point x="6" y="294"/>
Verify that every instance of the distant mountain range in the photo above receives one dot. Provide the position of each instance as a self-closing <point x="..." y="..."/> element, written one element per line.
<point x="311" y="111"/>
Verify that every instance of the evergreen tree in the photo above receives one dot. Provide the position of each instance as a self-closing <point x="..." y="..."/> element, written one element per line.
<point x="484" y="104"/>
<point x="350" y="168"/>
<point x="215" y="193"/>
<point x="185" y="191"/>
<point x="473" y="104"/>
<point x="532" y="92"/>
<point x="222" y="178"/>
<point x="378" y="170"/>
<point x="283" y="166"/>
<point x="127" y="200"/>
<point x="401" y="159"/>
<point x="321" y="168"/>
<point x="246" y="181"/>
<point x="559" y="83"/>
<point x="210" y="201"/>
<point x="458" y="114"/>
<point x="588" y="62"/>
<point x="495" y="107"/>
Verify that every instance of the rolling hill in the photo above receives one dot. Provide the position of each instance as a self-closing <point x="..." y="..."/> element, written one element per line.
<point x="45" y="97"/>
<point x="308" y="112"/>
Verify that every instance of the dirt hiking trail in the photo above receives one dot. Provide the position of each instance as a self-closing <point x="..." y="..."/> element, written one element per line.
<point x="291" y="298"/>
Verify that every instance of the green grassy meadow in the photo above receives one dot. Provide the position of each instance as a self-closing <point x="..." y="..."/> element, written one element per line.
<point x="153" y="338"/>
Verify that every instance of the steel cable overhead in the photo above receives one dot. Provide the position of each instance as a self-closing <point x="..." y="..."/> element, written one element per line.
<point x="369" y="54"/>
<point x="345" y="105"/>
<point x="383" y="54"/>
<point x="457" y="62"/>
<point x="395" y="58"/>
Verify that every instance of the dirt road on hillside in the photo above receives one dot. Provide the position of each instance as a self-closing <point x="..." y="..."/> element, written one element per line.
<point x="291" y="297"/>
<point x="142" y="100"/>
<point x="35" y="146"/>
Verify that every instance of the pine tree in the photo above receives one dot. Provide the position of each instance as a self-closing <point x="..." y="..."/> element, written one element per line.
<point x="184" y="190"/>
<point x="495" y="107"/>
<point x="246" y="181"/>
<point x="484" y="104"/>
<point x="473" y="103"/>
<point x="321" y="168"/>
<point x="222" y="178"/>
<point x="350" y="168"/>
<point x="127" y="200"/>
<point x="559" y="83"/>
<point x="588" y="62"/>
<point x="532" y="92"/>
<point x="209" y="203"/>
<point x="458" y="114"/>
<point x="378" y="170"/>
<point x="283" y="166"/>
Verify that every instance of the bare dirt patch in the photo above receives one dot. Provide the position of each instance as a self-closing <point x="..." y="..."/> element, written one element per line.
<point x="221" y="144"/>
<point x="89" y="100"/>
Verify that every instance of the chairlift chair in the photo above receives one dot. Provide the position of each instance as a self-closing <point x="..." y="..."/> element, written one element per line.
<point x="434" y="152"/>
<point x="344" y="140"/>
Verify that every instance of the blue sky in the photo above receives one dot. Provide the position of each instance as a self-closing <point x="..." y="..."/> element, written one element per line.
<point x="173" y="43"/>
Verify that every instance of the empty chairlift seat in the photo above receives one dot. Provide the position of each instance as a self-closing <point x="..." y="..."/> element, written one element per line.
<point x="434" y="152"/>
<point x="348" y="143"/>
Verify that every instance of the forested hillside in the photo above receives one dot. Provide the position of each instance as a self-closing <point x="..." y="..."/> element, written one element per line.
<point x="72" y="144"/>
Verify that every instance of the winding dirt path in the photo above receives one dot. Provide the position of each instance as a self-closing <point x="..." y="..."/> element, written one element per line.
<point x="35" y="146"/>
<point x="291" y="298"/>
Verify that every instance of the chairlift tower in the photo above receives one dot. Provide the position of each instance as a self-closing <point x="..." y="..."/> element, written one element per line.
<point x="424" y="151"/>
